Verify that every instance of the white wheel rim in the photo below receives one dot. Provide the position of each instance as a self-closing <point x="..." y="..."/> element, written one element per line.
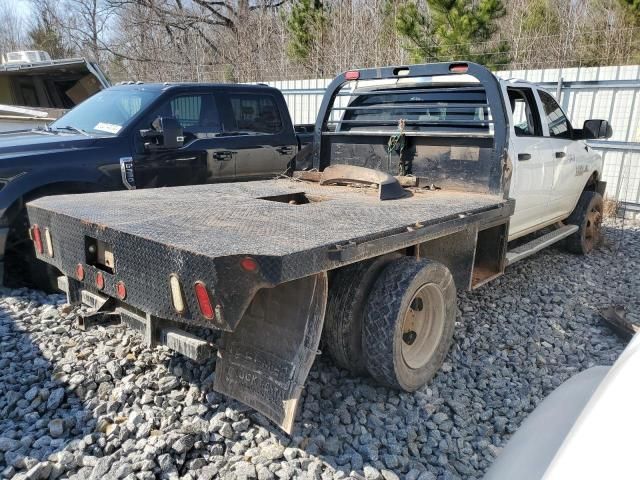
<point x="422" y="326"/>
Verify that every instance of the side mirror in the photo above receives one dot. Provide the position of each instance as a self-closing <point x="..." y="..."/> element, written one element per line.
<point x="165" y="132"/>
<point x="594" y="129"/>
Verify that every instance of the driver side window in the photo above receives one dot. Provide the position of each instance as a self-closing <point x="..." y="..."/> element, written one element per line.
<point x="558" y="124"/>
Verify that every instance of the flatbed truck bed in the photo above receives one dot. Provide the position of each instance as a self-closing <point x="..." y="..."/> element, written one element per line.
<point x="164" y="231"/>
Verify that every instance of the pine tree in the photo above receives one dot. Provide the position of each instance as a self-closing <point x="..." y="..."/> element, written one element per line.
<point x="304" y="24"/>
<point x="633" y="6"/>
<point x="453" y="30"/>
<point x="46" y="35"/>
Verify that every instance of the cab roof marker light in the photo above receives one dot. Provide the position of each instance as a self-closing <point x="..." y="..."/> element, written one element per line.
<point x="176" y="294"/>
<point x="49" y="242"/>
<point x="458" y="68"/>
<point x="352" y="75"/>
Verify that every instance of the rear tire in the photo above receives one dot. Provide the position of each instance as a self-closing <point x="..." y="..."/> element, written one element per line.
<point x="409" y="322"/>
<point x="342" y="334"/>
<point x="587" y="216"/>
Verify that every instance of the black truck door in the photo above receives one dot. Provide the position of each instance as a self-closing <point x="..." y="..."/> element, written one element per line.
<point x="257" y="134"/>
<point x="190" y="164"/>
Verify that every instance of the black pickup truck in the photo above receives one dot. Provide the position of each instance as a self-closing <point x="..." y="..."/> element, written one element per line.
<point x="139" y="136"/>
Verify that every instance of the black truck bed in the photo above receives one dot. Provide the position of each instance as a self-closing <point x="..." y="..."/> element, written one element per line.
<point x="233" y="219"/>
<point x="202" y="233"/>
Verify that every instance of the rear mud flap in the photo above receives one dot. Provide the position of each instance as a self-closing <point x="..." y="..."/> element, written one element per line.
<point x="265" y="361"/>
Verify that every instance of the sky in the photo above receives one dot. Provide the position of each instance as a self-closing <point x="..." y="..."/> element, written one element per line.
<point x="23" y="7"/>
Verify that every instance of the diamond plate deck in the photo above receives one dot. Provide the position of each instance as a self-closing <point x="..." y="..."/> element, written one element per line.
<point x="202" y="232"/>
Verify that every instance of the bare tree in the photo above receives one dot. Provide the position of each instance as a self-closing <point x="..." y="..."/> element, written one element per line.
<point x="13" y="31"/>
<point x="86" y="24"/>
<point x="245" y="40"/>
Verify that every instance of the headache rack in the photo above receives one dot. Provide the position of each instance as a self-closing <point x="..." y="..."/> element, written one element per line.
<point x="443" y="123"/>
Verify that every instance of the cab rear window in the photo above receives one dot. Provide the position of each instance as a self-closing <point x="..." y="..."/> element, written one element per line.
<point x="460" y="107"/>
<point x="255" y="113"/>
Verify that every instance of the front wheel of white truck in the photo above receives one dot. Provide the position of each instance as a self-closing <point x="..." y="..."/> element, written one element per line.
<point x="588" y="216"/>
<point x="408" y="323"/>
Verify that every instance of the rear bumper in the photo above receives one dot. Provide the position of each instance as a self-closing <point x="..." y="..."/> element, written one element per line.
<point x="154" y="331"/>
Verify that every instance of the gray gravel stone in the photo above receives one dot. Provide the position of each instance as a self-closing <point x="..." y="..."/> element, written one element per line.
<point x="56" y="428"/>
<point x="371" y="473"/>
<point x="55" y="398"/>
<point x="101" y="468"/>
<point x="120" y="410"/>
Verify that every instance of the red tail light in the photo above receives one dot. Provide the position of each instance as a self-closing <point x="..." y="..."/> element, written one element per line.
<point x="37" y="238"/>
<point x="458" y="68"/>
<point x="80" y="272"/>
<point x="100" y="280"/>
<point x="352" y="75"/>
<point x="121" y="290"/>
<point x="204" y="301"/>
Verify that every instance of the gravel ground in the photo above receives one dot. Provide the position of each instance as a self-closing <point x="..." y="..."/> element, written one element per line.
<point x="98" y="405"/>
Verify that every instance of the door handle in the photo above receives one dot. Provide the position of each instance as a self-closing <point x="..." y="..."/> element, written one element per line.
<point x="560" y="154"/>
<point x="524" y="156"/>
<point x="224" y="155"/>
<point x="284" y="150"/>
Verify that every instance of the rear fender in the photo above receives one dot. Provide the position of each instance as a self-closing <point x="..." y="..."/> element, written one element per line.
<point x="265" y="361"/>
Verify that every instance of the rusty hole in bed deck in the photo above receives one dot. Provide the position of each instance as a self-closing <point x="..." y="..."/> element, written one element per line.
<point x="297" y="198"/>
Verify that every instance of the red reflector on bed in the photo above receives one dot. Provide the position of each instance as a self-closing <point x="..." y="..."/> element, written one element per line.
<point x="121" y="290"/>
<point x="204" y="301"/>
<point x="100" y="280"/>
<point x="37" y="238"/>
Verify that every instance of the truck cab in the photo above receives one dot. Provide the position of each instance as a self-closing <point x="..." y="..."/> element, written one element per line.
<point x="551" y="161"/>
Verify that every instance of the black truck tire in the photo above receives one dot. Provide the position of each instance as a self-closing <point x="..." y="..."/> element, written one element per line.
<point x="348" y="291"/>
<point x="587" y="216"/>
<point x="408" y="323"/>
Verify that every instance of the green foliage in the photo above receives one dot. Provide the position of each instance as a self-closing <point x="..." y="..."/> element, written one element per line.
<point x="304" y="24"/>
<point x="453" y="29"/>
<point x="540" y="16"/>
<point x="633" y="5"/>
<point x="45" y="36"/>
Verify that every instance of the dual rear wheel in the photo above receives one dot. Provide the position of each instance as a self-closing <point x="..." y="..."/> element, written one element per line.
<point x="392" y="317"/>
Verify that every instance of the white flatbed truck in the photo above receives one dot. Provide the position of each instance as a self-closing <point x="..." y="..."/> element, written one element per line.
<point x="420" y="178"/>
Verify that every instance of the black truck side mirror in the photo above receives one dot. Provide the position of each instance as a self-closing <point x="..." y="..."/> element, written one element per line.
<point x="594" y="129"/>
<point x="165" y="133"/>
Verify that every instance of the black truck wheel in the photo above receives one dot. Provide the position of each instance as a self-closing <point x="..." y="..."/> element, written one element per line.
<point x="342" y="334"/>
<point x="587" y="216"/>
<point x="408" y="322"/>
